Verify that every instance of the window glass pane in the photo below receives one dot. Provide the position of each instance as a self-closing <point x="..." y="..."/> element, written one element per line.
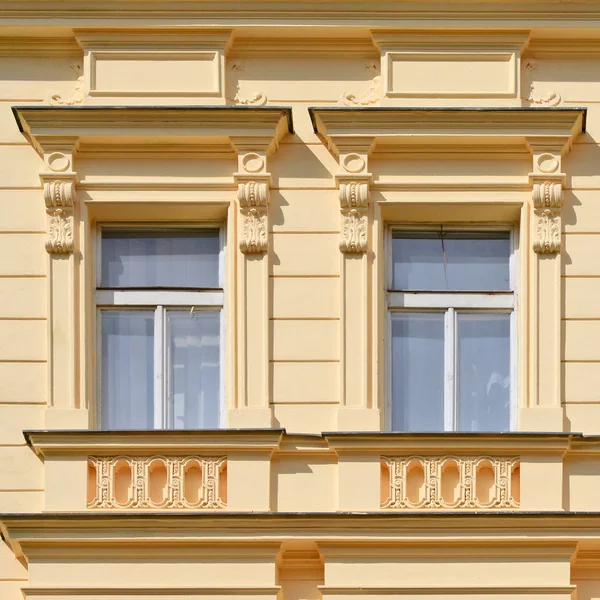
<point x="451" y="260"/>
<point x="418" y="372"/>
<point x="143" y="259"/>
<point x="193" y="369"/>
<point x="483" y="342"/>
<point x="127" y="369"/>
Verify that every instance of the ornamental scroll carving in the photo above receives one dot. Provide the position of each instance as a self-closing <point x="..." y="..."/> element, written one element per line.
<point x="450" y="482"/>
<point x="547" y="199"/>
<point x="157" y="482"/>
<point x="354" y="203"/>
<point x="253" y="199"/>
<point x="59" y="196"/>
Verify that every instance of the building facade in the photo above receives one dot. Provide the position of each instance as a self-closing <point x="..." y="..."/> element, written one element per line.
<point x="299" y="300"/>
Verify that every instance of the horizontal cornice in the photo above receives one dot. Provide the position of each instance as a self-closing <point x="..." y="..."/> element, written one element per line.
<point x="387" y="13"/>
<point x="46" y="443"/>
<point x="277" y="441"/>
<point x="115" y="126"/>
<point x="390" y="126"/>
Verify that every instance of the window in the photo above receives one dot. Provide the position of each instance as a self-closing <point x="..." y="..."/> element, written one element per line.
<point x="451" y="299"/>
<point x="159" y="298"/>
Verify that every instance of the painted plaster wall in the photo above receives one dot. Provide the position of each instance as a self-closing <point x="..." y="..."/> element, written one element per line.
<point x="304" y="291"/>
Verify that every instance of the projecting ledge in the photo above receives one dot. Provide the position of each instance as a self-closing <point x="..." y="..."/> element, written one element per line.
<point x="391" y="126"/>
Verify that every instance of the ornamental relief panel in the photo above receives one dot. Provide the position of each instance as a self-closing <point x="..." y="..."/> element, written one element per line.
<point x="59" y="196"/>
<point x="450" y="482"/>
<point x="157" y="482"/>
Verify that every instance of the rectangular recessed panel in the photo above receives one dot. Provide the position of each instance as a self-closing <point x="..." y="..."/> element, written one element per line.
<point x="156" y="73"/>
<point x="451" y="74"/>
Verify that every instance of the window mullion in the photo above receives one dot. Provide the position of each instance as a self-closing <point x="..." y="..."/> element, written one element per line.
<point x="159" y="400"/>
<point x="449" y="370"/>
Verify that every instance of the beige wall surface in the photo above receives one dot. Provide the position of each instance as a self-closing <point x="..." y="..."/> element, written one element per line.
<point x="263" y="118"/>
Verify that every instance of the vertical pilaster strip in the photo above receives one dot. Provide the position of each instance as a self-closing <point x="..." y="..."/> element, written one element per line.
<point x="59" y="180"/>
<point x="357" y="406"/>
<point x="252" y="407"/>
<point x="545" y="289"/>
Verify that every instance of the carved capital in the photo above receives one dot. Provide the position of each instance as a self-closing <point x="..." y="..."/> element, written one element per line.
<point x="59" y="193"/>
<point x="60" y="231"/>
<point x="547" y="194"/>
<point x="547" y="231"/>
<point x="254" y="238"/>
<point x="253" y="194"/>
<point x="354" y="231"/>
<point x="354" y="194"/>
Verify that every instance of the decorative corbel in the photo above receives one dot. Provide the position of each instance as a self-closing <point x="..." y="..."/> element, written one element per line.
<point x="58" y="180"/>
<point x="253" y="200"/>
<point x="353" y="184"/>
<point x="547" y="199"/>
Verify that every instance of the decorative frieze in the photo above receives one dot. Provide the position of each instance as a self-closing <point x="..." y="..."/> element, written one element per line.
<point x="450" y="482"/>
<point x="157" y="482"/>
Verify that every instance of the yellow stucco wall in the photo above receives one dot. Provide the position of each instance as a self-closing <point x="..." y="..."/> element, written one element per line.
<point x="301" y="514"/>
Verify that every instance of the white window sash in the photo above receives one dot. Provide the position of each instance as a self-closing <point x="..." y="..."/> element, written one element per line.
<point x="445" y="300"/>
<point x="106" y="298"/>
<point x="451" y="303"/>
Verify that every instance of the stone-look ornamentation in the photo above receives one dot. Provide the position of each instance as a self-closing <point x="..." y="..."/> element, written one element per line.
<point x="354" y="231"/>
<point x="373" y="96"/>
<point x="76" y="97"/>
<point x="547" y="194"/>
<point x="547" y="232"/>
<point x="551" y="99"/>
<point x="60" y="232"/>
<point x="547" y="199"/>
<point x="59" y="197"/>
<point x="354" y="203"/>
<point x="253" y="199"/>
<point x="254" y="231"/>
<point x="255" y="99"/>
<point x="156" y="482"/>
<point x="417" y="482"/>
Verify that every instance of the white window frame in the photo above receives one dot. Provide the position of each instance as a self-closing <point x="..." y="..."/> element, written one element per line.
<point x="452" y="303"/>
<point x="162" y="300"/>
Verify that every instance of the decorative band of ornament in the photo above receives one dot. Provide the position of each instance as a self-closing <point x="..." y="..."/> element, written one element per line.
<point x="449" y="482"/>
<point x="157" y="482"/>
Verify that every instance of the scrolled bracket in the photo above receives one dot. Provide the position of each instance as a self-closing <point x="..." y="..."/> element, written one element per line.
<point x="354" y="209"/>
<point x="253" y="203"/>
<point x="59" y="197"/>
<point x="547" y="199"/>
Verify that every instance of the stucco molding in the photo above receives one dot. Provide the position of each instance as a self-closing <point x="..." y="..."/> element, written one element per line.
<point x="498" y="488"/>
<point x="136" y="491"/>
<point x="392" y="127"/>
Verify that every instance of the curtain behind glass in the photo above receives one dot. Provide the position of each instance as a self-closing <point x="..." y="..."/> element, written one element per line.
<point x="418" y="372"/>
<point x="451" y="261"/>
<point x="150" y="259"/>
<point x="483" y="342"/>
<point x="127" y="369"/>
<point x="193" y="369"/>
